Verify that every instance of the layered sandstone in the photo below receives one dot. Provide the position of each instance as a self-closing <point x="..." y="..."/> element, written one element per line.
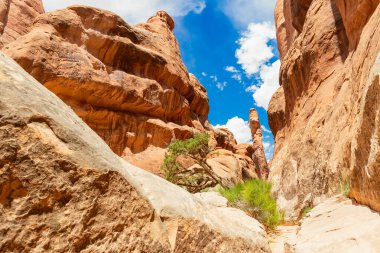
<point x="128" y="83"/>
<point x="16" y="18"/>
<point x="325" y="119"/>
<point x="64" y="190"/>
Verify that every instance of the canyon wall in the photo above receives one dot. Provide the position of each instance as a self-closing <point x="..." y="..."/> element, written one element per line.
<point x="325" y="115"/>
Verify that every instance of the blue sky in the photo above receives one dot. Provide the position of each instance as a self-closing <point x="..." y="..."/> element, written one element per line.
<point x="228" y="44"/>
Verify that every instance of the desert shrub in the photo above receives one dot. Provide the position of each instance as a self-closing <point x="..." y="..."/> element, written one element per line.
<point x="195" y="178"/>
<point x="255" y="198"/>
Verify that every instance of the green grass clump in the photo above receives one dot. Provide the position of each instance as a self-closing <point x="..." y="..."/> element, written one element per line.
<point x="345" y="186"/>
<point x="254" y="197"/>
<point x="306" y="211"/>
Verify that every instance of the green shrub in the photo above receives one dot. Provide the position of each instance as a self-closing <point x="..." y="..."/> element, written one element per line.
<point x="345" y="186"/>
<point x="193" y="179"/>
<point x="255" y="198"/>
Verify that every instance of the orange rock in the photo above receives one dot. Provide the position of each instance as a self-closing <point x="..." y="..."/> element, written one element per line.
<point x="325" y="124"/>
<point x="16" y="18"/>
<point x="257" y="138"/>
<point x="276" y="117"/>
<point x="128" y="83"/>
<point x="285" y="32"/>
<point x="64" y="190"/>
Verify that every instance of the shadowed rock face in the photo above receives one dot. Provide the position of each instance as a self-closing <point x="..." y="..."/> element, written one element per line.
<point x="324" y="117"/>
<point x="63" y="190"/>
<point x="16" y="18"/>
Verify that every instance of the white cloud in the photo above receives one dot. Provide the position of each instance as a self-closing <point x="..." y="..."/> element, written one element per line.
<point x="243" y="12"/>
<point x="134" y="11"/>
<point x="237" y="77"/>
<point x="268" y="149"/>
<point x="214" y="78"/>
<point x="254" y="50"/>
<point x="255" y="55"/>
<point x="235" y="73"/>
<point x="239" y="128"/>
<point x="232" y="69"/>
<point x="266" y="130"/>
<point x="221" y="86"/>
<point x="262" y="93"/>
<point x="204" y="74"/>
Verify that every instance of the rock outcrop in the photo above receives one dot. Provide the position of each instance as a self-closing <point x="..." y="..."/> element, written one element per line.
<point x="128" y="83"/>
<point x="64" y="190"/>
<point x="257" y="139"/>
<point x="325" y="115"/>
<point x="337" y="225"/>
<point x="16" y="18"/>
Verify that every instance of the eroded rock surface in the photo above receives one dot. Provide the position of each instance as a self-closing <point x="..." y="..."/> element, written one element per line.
<point x="128" y="83"/>
<point x="257" y="139"/>
<point x="326" y="122"/>
<point x="16" y="18"/>
<point x="63" y="189"/>
<point x="338" y="226"/>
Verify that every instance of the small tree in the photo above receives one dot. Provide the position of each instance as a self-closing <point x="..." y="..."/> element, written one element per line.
<point x="195" y="178"/>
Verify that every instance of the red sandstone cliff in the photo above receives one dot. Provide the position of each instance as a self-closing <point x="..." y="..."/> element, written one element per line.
<point x="325" y="115"/>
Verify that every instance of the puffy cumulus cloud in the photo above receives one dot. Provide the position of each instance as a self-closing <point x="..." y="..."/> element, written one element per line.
<point x="243" y="12"/>
<point x="135" y="11"/>
<point x="255" y="55"/>
<point x="254" y="50"/>
<point x="262" y="93"/>
<point x="240" y="129"/>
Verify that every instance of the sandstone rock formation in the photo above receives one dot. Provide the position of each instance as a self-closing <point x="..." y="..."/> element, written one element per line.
<point x="128" y="83"/>
<point x="16" y="18"/>
<point x="64" y="190"/>
<point x="337" y="225"/>
<point x="325" y="120"/>
<point x="257" y="139"/>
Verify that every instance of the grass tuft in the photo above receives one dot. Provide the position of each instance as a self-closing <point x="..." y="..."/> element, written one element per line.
<point x="255" y="198"/>
<point x="345" y="186"/>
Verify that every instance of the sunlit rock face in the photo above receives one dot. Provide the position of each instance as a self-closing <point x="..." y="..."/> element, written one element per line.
<point x="16" y="18"/>
<point x="64" y="190"/>
<point x="258" y="147"/>
<point x="325" y="115"/>
<point x="128" y="83"/>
